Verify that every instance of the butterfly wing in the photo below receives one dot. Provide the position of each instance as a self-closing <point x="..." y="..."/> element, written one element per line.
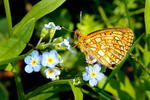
<point x="109" y="46"/>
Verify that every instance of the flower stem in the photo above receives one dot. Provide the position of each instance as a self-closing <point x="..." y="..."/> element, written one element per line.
<point x="127" y="14"/>
<point x="39" y="42"/>
<point x="20" y="91"/>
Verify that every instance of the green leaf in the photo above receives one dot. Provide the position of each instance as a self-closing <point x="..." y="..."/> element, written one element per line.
<point x="45" y="87"/>
<point x="121" y="87"/>
<point x="39" y="10"/>
<point x="3" y="26"/>
<point x="78" y="95"/>
<point x="10" y="68"/>
<point x="89" y="24"/>
<point x="148" y="94"/>
<point x="3" y="93"/>
<point x="104" y="17"/>
<point x="147" y="16"/>
<point x="14" y="46"/>
<point x="51" y="93"/>
<point x="147" y="28"/>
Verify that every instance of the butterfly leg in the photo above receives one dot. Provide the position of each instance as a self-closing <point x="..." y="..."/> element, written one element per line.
<point x="88" y="58"/>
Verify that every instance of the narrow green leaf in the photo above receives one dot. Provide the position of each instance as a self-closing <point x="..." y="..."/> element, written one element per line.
<point x="78" y="95"/>
<point x="18" y="82"/>
<point x="127" y="14"/>
<point x="147" y="28"/>
<point x="14" y="59"/>
<point x="8" y="16"/>
<point x="148" y="94"/>
<point x="104" y="17"/>
<point x="121" y="64"/>
<point x="147" y="16"/>
<point x="120" y="88"/>
<point x="3" y="93"/>
<point x="39" y="10"/>
<point x="45" y="87"/>
<point x="14" y="46"/>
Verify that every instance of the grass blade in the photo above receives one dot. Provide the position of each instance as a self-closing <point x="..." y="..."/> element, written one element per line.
<point x="8" y="16"/>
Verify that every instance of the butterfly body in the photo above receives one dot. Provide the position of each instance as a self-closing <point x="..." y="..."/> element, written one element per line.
<point x="109" y="46"/>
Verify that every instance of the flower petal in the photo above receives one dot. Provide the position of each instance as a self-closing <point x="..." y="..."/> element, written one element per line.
<point x="53" y="52"/>
<point x="66" y="42"/>
<point x="28" y="59"/>
<point x="28" y="69"/>
<point x="39" y="59"/>
<point x="68" y="39"/>
<point x="96" y="68"/>
<point x="52" y="76"/>
<point x="37" y="68"/>
<point x="44" y="59"/>
<point x="100" y="76"/>
<point x="35" y="53"/>
<point x="56" y="60"/>
<point x="56" y="72"/>
<point x="49" y="25"/>
<point x="93" y="82"/>
<point x="51" y="65"/>
<point x="85" y="77"/>
<point x="57" y="27"/>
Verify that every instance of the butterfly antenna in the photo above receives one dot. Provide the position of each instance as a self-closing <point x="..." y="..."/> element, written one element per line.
<point x="80" y="21"/>
<point x="66" y="29"/>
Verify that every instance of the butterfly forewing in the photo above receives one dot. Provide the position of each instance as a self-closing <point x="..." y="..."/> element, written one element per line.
<point x="109" y="46"/>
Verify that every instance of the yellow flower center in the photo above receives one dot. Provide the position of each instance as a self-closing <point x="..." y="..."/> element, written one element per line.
<point x="50" y="60"/>
<point x="50" y="72"/>
<point x="93" y="74"/>
<point x="34" y="62"/>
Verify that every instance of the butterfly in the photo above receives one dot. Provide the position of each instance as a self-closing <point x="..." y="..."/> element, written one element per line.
<point x="109" y="46"/>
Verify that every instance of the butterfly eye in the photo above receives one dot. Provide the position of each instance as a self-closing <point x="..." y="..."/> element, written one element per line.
<point x="77" y="34"/>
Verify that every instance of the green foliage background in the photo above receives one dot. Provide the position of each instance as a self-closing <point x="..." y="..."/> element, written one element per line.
<point x="129" y="81"/>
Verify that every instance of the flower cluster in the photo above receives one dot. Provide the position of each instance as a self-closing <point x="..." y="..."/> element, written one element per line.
<point x="50" y="59"/>
<point x="47" y="59"/>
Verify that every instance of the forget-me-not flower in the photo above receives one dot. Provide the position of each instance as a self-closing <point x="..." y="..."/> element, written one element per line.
<point x="50" y="59"/>
<point x="52" y="73"/>
<point x="66" y="43"/>
<point x="33" y="62"/>
<point x="52" y="25"/>
<point x="93" y="74"/>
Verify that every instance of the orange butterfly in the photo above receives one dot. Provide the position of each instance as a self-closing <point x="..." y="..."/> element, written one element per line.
<point x="109" y="46"/>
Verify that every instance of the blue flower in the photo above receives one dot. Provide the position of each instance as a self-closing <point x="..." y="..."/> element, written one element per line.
<point x="50" y="59"/>
<point x="93" y="74"/>
<point x="52" y="25"/>
<point x="52" y="73"/>
<point x="33" y="62"/>
<point x="66" y="43"/>
<point x="92" y="60"/>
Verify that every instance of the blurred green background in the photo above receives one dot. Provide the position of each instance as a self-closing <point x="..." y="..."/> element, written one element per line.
<point x="132" y="82"/>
